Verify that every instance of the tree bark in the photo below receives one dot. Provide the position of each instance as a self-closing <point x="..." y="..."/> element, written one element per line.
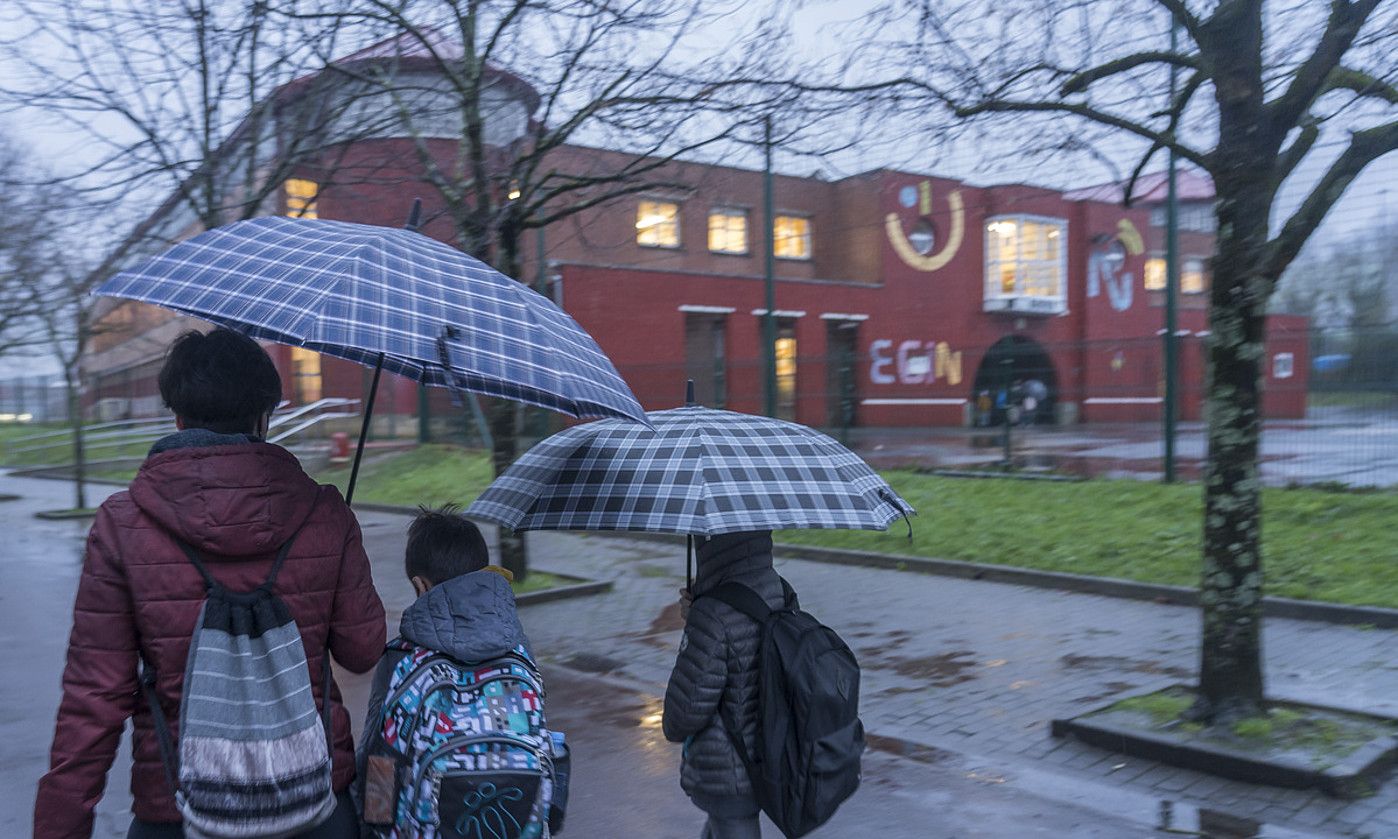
<point x="75" y="421"/>
<point x="1230" y="669"/>
<point x="501" y="417"/>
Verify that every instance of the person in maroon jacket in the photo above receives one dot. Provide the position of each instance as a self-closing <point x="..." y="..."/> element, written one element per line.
<point x="236" y="499"/>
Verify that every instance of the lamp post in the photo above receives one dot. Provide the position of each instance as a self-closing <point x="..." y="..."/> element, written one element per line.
<point x="1172" y="285"/>
<point x="769" y="319"/>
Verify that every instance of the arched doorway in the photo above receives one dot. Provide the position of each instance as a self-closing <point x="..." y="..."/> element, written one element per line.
<point x="1015" y="362"/>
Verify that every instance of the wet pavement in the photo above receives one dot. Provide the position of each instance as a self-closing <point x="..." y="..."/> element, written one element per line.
<point x="1353" y="446"/>
<point x="961" y="679"/>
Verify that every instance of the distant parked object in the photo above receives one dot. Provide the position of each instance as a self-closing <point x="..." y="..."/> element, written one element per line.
<point x="1332" y="363"/>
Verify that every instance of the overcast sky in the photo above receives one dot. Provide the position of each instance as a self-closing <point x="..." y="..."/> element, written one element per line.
<point x="819" y="29"/>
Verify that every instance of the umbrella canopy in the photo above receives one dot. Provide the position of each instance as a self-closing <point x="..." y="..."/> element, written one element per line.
<point x="697" y="471"/>
<point x="389" y="297"/>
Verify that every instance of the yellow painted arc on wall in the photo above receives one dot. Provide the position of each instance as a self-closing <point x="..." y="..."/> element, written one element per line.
<point x="1130" y="237"/>
<point x="930" y="262"/>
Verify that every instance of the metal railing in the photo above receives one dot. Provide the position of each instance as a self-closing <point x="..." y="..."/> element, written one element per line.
<point x="131" y="438"/>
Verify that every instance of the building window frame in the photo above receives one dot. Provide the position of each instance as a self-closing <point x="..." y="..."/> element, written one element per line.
<point x="804" y="237"/>
<point x="302" y="198"/>
<point x="651" y="219"/>
<point x="1155" y="278"/>
<point x="729" y="214"/>
<point x="1020" y="300"/>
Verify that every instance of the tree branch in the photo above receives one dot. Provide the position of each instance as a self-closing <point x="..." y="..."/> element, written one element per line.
<point x="1364" y="147"/>
<point x="1310" y="79"/>
<point x="1085" y="111"/>
<point x="1361" y="84"/>
<point x="1079" y="82"/>
<point x="1183" y="16"/>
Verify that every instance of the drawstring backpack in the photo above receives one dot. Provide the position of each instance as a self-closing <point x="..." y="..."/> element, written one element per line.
<point x="254" y="754"/>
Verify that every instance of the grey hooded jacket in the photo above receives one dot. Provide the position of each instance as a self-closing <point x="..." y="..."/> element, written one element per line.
<point x="471" y="618"/>
<point x="714" y="682"/>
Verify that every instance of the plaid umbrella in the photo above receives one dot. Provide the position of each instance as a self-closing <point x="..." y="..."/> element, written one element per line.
<point x="697" y="471"/>
<point x="389" y="298"/>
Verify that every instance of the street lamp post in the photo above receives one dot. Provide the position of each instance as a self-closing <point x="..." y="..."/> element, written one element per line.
<point x="769" y="319"/>
<point x="1172" y="285"/>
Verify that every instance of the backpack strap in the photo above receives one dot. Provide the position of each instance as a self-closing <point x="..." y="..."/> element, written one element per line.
<point x="162" y="727"/>
<point x="749" y="602"/>
<point x="211" y="584"/>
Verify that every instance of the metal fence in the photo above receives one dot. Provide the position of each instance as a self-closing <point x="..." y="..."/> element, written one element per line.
<point x="1091" y="408"/>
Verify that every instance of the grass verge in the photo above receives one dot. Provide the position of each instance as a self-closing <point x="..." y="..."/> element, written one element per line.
<point x="1318" y="544"/>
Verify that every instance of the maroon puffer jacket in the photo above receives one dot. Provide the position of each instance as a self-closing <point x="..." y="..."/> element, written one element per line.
<point x="236" y="504"/>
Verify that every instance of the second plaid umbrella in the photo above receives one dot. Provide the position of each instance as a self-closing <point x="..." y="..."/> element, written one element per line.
<point x="697" y="471"/>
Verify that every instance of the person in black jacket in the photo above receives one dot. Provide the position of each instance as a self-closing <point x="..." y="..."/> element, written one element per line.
<point x="713" y="688"/>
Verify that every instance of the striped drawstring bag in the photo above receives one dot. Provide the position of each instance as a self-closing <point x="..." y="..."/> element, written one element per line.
<point x="254" y="754"/>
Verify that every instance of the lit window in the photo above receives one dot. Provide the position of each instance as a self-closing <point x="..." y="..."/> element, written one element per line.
<point x="1155" y="274"/>
<point x="728" y="231"/>
<point x="1192" y="276"/>
<point x="658" y="224"/>
<point x="1025" y="264"/>
<point x="305" y="373"/>
<point x="791" y="237"/>
<point x="786" y="369"/>
<point x="301" y="197"/>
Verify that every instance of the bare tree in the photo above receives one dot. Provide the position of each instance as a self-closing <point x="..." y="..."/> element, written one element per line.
<point x="1256" y="90"/>
<point x="205" y="105"/>
<point x="21" y="253"/>
<point x="497" y="98"/>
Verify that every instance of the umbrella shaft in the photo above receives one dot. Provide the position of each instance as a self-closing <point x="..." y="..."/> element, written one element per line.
<point x="364" y="430"/>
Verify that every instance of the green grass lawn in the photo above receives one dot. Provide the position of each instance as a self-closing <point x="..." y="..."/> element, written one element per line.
<point x="430" y="475"/>
<point x="1319" y="545"/>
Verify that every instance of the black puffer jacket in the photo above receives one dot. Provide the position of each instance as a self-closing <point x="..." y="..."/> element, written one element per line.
<point x="715" y="678"/>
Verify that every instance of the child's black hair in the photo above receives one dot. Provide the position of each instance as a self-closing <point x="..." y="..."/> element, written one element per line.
<point x="443" y="544"/>
<point x="221" y="380"/>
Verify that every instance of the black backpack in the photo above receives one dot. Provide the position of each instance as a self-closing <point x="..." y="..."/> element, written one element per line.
<point x="809" y="737"/>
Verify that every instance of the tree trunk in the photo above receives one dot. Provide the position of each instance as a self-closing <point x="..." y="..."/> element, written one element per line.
<point x="1230" y="670"/>
<point x="504" y="422"/>
<point x="75" y="421"/>
<point x="502" y="419"/>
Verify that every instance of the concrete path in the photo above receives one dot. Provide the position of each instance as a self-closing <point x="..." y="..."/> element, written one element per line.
<point x="961" y="678"/>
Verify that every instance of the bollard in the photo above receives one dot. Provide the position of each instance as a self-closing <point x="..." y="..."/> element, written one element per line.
<point x="339" y="447"/>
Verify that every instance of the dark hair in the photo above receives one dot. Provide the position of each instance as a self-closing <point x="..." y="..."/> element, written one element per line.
<point x="443" y="544"/>
<point x="220" y="380"/>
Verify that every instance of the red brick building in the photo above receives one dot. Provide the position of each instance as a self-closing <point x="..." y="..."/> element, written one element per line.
<point x="901" y="298"/>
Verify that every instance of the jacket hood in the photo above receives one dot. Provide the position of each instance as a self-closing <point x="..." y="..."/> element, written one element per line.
<point x="229" y="499"/>
<point x="470" y="618"/>
<point x="732" y="556"/>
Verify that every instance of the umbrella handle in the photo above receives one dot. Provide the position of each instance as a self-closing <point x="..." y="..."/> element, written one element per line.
<point x="689" y="562"/>
<point x="364" y="430"/>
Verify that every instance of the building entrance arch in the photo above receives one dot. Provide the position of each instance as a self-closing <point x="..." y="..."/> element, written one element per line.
<point x="1015" y="366"/>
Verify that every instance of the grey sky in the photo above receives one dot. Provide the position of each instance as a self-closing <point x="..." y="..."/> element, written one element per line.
<point x="820" y="30"/>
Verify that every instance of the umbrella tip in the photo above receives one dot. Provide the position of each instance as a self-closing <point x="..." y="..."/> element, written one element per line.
<point x="414" y="215"/>
<point x="689" y="393"/>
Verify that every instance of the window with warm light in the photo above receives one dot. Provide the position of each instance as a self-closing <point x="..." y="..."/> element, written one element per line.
<point x="786" y="370"/>
<point x="658" y="224"/>
<point x="791" y="237"/>
<point x="301" y="197"/>
<point x="1026" y="264"/>
<point x="306" y="376"/>
<point x="1191" y="275"/>
<point x="1155" y="274"/>
<point x="728" y="231"/>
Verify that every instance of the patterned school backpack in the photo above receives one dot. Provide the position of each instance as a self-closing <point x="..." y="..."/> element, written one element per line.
<point x="473" y="756"/>
<point x="254" y="754"/>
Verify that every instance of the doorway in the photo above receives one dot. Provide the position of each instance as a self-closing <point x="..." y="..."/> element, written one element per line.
<point x="1015" y="370"/>
<point x="842" y="346"/>
<point x="705" y="358"/>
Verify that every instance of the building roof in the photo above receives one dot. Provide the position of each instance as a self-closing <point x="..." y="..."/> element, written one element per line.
<point x="1151" y="188"/>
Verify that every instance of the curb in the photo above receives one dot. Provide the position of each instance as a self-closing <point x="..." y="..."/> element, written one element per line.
<point x="1272" y="607"/>
<point x="1354" y="777"/>
<point x="549" y="595"/>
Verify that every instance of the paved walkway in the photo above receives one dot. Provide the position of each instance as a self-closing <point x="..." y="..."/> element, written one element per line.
<point x="968" y="672"/>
